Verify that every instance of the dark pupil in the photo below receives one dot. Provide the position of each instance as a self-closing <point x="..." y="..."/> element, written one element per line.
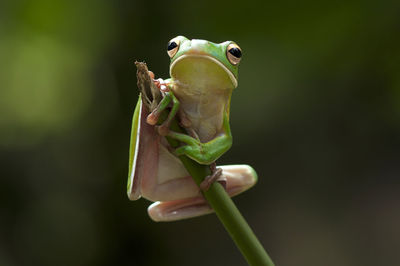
<point x="236" y="52"/>
<point x="171" y="46"/>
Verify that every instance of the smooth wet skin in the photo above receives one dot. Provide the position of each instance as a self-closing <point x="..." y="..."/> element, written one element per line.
<point x="203" y="76"/>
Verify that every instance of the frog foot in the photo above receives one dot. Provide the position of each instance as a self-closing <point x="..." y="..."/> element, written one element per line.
<point x="161" y="85"/>
<point x="210" y="179"/>
<point x="152" y="118"/>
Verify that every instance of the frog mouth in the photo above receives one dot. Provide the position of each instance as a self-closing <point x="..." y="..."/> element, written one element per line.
<point x="197" y="63"/>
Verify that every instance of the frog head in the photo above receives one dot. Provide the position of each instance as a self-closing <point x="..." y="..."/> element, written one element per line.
<point x="204" y="61"/>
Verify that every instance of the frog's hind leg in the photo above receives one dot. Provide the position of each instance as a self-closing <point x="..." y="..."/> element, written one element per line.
<point x="238" y="179"/>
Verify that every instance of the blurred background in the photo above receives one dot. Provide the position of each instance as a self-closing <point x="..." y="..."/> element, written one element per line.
<point x="316" y="113"/>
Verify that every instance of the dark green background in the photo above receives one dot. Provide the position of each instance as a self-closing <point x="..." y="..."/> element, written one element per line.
<point x="316" y="113"/>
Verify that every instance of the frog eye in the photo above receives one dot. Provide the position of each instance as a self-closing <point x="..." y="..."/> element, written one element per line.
<point x="233" y="53"/>
<point x="173" y="47"/>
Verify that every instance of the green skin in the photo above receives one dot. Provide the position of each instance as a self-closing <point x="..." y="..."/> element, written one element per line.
<point x="208" y="86"/>
<point x="203" y="76"/>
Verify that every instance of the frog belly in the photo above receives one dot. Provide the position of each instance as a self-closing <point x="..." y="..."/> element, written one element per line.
<point x="205" y="111"/>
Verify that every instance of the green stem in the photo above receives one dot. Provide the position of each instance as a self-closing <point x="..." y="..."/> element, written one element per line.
<point x="226" y="211"/>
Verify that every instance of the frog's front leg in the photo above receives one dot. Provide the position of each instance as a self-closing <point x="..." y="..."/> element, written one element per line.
<point x="168" y="96"/>
<point x="204" y="153"/>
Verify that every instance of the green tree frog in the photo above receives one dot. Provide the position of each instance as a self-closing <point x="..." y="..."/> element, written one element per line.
<point x="203" y="76"/>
